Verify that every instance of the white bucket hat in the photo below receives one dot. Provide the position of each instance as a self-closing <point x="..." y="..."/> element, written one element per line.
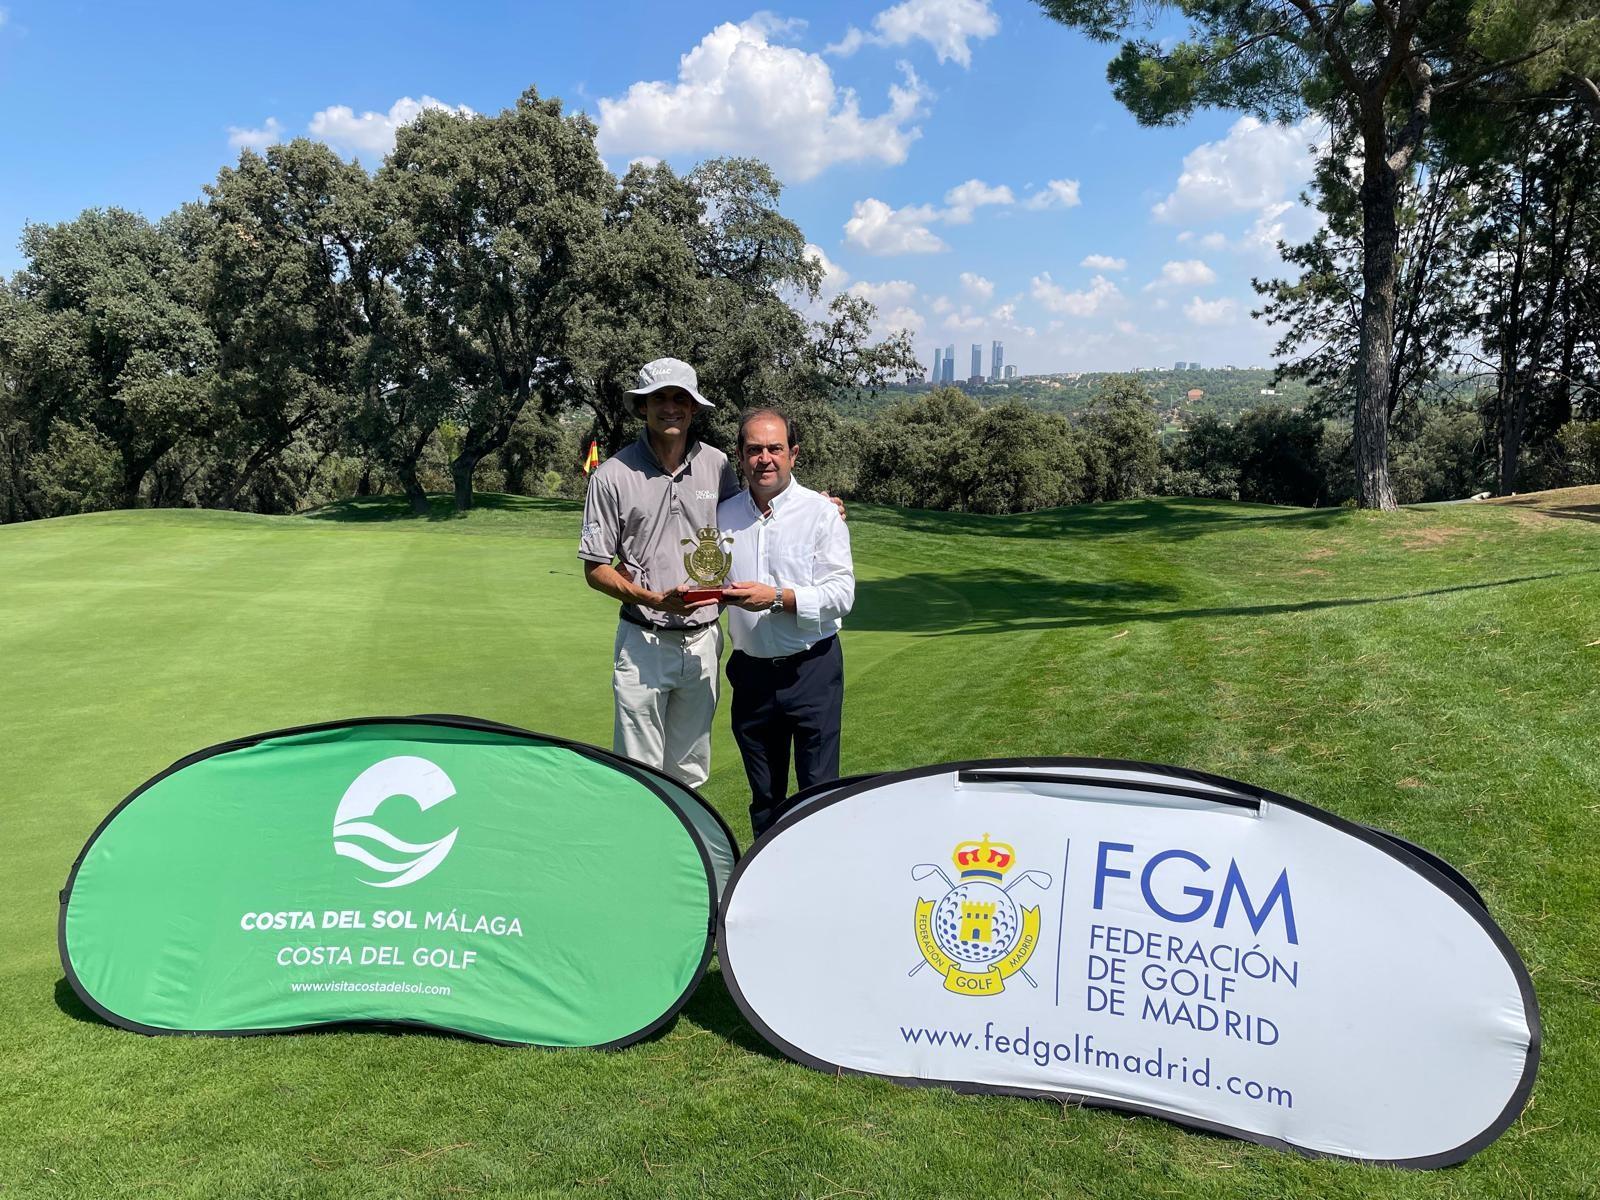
<point x="669" y="372"/>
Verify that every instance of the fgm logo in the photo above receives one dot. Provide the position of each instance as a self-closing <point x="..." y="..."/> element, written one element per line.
<point x="403" y="775"/>
<point x="975" y="935"/>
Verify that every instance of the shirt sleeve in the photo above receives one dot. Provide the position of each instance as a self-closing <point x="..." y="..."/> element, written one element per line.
<point x="601" y="540"/>
<point x="730" y="481"/>
<point x="832" y="590"/>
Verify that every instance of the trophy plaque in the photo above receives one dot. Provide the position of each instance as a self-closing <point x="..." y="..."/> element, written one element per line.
<point x="708" y="564"/>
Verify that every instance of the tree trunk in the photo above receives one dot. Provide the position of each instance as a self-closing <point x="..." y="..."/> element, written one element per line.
<point x="229" y="496"/>
<point x="413" y="487"/>
<point x="480" y="442"/>
<point x="135" y="467"/>
<point x="1380" y="193"/>
<point x="1510" y="397"/>
<point x="462" y="471"/>
<point x="1511" y="409"/>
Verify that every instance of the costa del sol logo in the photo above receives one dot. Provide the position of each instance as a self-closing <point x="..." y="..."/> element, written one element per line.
<point x="975" y="935"/>
<point x="406" y="862"/>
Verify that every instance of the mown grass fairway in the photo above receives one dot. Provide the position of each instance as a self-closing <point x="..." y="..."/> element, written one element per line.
<point x="1436" y="672"/>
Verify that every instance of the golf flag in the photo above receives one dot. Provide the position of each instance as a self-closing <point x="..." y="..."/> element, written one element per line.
<point x="593" y="459"/>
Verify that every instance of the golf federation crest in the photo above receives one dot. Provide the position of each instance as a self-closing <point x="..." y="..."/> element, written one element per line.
<point x="711" y="559"/>
<point x="975" y="935"/>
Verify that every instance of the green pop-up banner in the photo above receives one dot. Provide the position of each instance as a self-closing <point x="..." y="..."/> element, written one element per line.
<point x="435" y="871"/>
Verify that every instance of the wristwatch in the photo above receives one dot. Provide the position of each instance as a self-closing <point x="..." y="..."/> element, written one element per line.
<point x="777" y="601"/>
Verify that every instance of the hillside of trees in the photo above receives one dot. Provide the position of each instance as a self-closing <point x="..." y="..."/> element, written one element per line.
<point x="461" y="318"/>
<point x="1228" y="392"/>
<point x="469" y="316"/>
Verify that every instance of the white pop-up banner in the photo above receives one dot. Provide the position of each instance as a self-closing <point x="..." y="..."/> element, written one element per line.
<point x="1139" y="937"/>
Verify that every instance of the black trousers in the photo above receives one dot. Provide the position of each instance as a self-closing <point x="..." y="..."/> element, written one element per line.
<point x="783" y="708"/>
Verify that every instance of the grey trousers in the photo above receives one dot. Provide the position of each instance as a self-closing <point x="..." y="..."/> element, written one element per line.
<point x="665" y="684"/>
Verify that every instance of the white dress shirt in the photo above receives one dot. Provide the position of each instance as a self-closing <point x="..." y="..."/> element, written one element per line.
<point x="803" y="547"/>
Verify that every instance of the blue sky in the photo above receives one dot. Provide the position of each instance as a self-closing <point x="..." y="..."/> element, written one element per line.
<point x="960" y="162"/>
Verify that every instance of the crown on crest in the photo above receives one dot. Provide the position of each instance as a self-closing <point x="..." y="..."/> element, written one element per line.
<point x="983" y="860"/>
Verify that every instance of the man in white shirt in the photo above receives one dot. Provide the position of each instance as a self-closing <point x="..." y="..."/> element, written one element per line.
<point x="796" y="583"/>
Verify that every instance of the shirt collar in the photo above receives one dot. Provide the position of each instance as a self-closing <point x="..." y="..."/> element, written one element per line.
<point x="650" y="452"/>
<point x="790" y="491"/>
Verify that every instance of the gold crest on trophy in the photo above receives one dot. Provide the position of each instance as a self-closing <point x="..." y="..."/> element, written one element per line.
<point x="708" y="563"/>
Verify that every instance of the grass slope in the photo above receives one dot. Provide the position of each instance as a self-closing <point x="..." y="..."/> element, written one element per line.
<point x="1434" y="671"/>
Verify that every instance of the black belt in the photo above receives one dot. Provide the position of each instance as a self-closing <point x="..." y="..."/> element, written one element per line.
<point x="815" y="650"/>
<point x="631" y="619"/>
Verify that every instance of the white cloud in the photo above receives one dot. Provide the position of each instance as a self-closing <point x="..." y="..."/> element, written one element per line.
<point x="1210" y="312"/>
<point x="1058" y="193"/>
<point x="774" y="26"/>
<point x="1281" y="221"/>
<point x="1100" y="293"/>
<point x="255" y="139"/>
<point x="890" y="292"/>
<point x="974" y="193"/>
<point x="965" y="321"/>
<point x="1254" y="166"/>
<point x="372" y="133"/>
<point x="1005" y="314"/>
<point x="977" y="285"/>
<point x="1286" y="221"/>
<point x="941" y="305"/>
<point x="1190" y="272"/>
<point x="738" y="93"/>
<point x="1104" y="262"/>
<point x="895" y="301"/>
<point x="946" y="25"/>
<point x="879" y="229"/>
<point x="834" y="277"/>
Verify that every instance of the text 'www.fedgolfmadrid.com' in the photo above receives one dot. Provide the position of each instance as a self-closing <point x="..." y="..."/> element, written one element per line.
<point x="1082" y="1050"/>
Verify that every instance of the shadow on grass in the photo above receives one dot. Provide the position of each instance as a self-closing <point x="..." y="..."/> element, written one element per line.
<point x="369" y="509"/>
<point x="1171" y="519"/>
<point x="712" y="1008"/>
<point x="72" y="1005"/>
<point x="1002" y="600"/>
<point x="1566" y="512"/>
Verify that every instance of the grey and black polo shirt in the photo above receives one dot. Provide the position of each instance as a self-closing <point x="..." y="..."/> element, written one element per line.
<point x="639" y="513"/>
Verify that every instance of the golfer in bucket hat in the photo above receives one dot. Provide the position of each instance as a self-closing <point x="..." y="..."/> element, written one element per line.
<point x="643" y="503"/>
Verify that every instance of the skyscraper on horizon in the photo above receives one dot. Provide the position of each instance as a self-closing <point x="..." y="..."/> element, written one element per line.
<point x="977" y="362"/>
<point x="997" y="361"/>
<point x="949" y="374"/>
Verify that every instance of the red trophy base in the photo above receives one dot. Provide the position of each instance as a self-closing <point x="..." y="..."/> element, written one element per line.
<point x="695" y="595"/>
